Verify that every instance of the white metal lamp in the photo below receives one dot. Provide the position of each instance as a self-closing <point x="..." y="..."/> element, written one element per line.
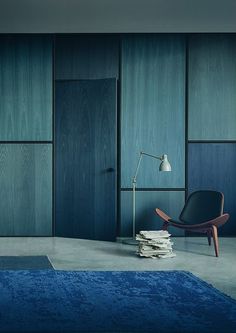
<point x="164" y="166"/>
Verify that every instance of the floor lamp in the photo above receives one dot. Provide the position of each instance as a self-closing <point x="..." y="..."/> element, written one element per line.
<point x="164" y="166"/>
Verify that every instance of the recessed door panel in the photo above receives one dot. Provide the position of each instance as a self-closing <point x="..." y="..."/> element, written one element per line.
<point x="86" y="159"/>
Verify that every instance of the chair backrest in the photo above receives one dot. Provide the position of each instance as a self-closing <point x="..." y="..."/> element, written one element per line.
<point x="202" y="206"/>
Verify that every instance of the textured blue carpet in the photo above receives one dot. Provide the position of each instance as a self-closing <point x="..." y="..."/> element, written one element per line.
<point x="59" y="301"/>
<point x="24" y="262"/>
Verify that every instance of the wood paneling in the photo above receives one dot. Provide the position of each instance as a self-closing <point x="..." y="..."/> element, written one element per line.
<point x="211" y="166"/>
<point x="146" y="202"/>
<point x="152" y="108"/>
<point x="87" y="57"/>
<point x="212" y="85"/>
<point x="86" y="159"/>
<point x="25" y="88"/>
<point x="26" y="189"/>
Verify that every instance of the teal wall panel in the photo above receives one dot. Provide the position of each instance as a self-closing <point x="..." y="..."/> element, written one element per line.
<point x="212" y="86"/>
<point x="211" y="167"/>
<point x="171" y="202"/>
<point x="153" y="108"/>
<point x="25" y="88"/>
<point x="26" y="189"/>
<point x="86" y="57"/>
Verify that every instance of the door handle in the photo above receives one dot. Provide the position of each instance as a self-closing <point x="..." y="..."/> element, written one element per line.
<point x="110" y="169"/>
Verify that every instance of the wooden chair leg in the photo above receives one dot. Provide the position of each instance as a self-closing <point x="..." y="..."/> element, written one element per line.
<point x="209" y="237"/>
<point x="215" y="239"/>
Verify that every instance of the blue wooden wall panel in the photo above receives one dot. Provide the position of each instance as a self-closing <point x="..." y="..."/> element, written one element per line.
<point x="86" y="159"/>
<point x="25" y="88"/>
<point x="212" y="166"/>
<point x="153" y="108"/>
<point x="26" y="189"/>
<point x="212" y="86"/>
<point x="171" y="202"/>
<point x="87" y="57"/>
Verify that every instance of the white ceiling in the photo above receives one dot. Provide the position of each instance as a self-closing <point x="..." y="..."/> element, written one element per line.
<point x="23" y="16"/>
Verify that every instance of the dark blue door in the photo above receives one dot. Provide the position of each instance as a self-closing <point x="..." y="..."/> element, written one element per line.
<point x="86" y="159"/>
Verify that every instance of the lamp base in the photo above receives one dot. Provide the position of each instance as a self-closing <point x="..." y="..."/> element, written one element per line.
<point x="130" y="241"/>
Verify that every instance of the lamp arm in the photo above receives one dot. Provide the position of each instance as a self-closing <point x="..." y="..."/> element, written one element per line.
<point x="154" y="156"/>
<point x="137" y="168"/>
<point x="139" y="161"/>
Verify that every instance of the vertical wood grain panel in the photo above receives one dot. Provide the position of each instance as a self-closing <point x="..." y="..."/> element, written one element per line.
<point x="211" y="166"/>
<point x="87" y="57"/>
<point x="25" y="88"/>
<point x="85" y="150"/>
<point x="212" y="86"/>
<point x="146" y="202"/>
<point x="152" y="108"/>
<point x="25" y="189"/>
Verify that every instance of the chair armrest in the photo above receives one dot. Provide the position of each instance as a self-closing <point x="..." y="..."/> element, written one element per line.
<point x="218" y="221"/>
<point x="162" y="215"/>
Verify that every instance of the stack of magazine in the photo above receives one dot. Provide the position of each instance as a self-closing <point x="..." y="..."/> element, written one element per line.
<point x="155" y="244"/>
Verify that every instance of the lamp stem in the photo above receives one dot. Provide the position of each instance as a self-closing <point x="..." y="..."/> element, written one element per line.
<point x="134" y="184"/>
<point x="161" y="158"/>
<point x="134" y="208"/>
<point x="137" y="168"/>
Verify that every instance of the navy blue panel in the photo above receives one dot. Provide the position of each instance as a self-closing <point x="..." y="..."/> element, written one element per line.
<point x="86" y="159"/>
<point x="152" y="108"/>
<point x="212" y="86"/>
<point x="26" y="189"/>
<point x="146" y="202"/>
<point x="87" y="57"/>
<point x="25" y="88"/>
<point x="24" y="262"/>
<point x="211" y="166"/>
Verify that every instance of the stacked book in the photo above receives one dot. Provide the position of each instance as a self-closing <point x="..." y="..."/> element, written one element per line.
<point x="155" y="244"/>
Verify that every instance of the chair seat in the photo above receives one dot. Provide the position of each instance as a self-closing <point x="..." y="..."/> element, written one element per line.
<point x="177" y="222"/>
<point x="188" y="224"/>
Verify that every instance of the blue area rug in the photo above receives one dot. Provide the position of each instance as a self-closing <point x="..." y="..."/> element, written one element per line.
<point x="60" y="301"/>
<point x="24" y="262"/>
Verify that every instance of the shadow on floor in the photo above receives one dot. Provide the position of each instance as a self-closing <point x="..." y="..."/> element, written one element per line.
<point x="195" y="252"/>
<point x="118" y="252"/>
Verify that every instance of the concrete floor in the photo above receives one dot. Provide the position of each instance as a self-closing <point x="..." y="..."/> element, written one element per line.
<point x="193" y="254"/>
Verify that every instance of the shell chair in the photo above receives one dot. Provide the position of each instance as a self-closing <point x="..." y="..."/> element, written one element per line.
<point x="203" y="212"/>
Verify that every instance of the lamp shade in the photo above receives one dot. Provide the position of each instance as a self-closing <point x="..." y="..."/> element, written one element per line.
<point x="165" y="165"/>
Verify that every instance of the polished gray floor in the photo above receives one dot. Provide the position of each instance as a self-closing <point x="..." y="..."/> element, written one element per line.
<point x="193" y="254"/>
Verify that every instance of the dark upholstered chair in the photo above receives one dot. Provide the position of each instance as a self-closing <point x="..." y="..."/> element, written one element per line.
<point x="203" y="212"/>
